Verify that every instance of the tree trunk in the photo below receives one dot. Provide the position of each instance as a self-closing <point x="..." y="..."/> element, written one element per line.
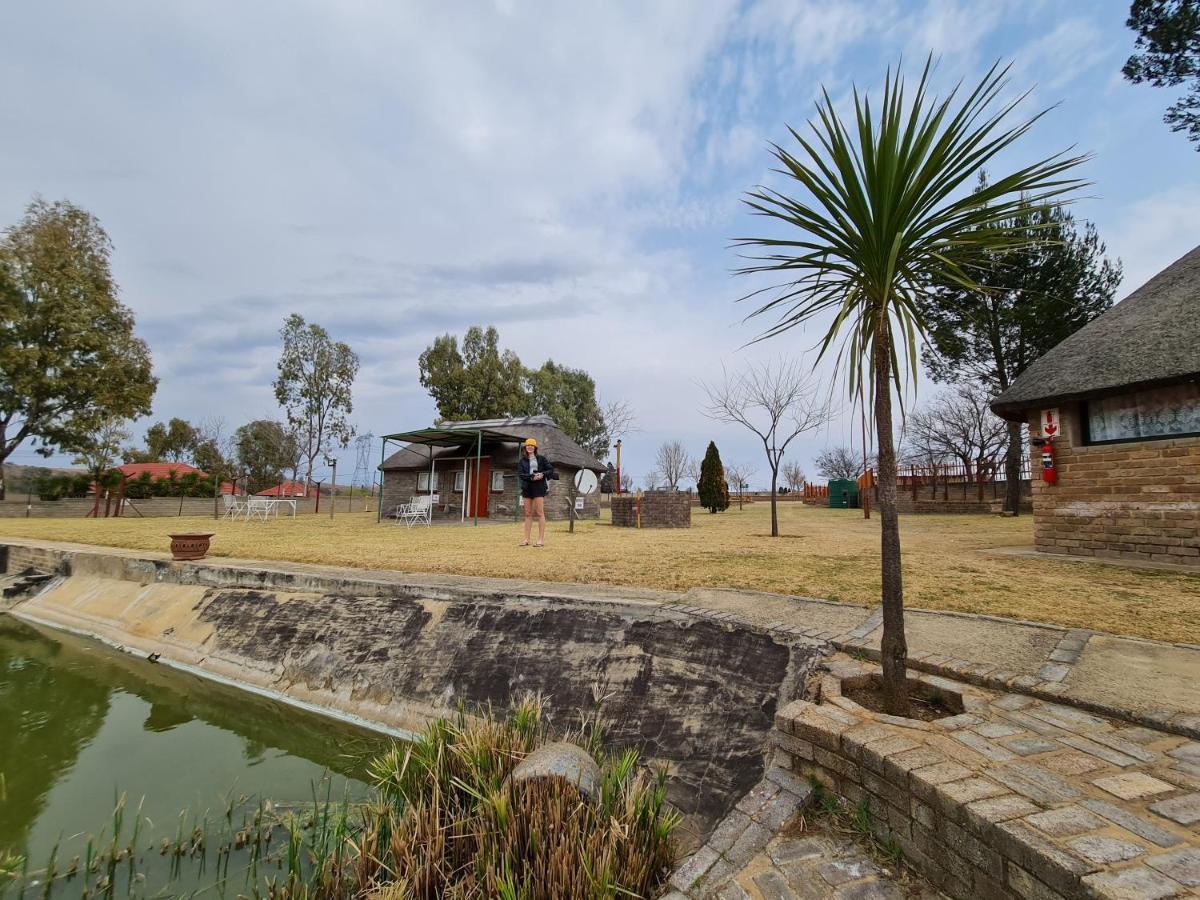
<point x="894" y="648"/>
<point x="1012" y="469"/>
<point x="774" y="508"/>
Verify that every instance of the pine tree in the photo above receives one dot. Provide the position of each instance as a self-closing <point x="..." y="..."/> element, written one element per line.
<point x="713" y="489"/>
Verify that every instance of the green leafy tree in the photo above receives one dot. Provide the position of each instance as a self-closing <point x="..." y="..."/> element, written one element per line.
<point x="99" y="452"/>
<point x="480" y="382"/>
<point x="68" y="355"/>
<point x="315" y="388"/>
<point x="1026" y="301"/>
<point x="883" y="214"/>
<point x="569" y="397"/>
<point x="173" y="441"/>
<point x="711" y="486"/>
<point x="1168" y="44"/>
<point x="265" y="451"/>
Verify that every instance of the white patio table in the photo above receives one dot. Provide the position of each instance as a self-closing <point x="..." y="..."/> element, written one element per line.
<point x="277" y="502"/>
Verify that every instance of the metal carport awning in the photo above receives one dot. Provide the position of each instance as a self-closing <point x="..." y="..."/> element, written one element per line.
<point x="443" y="437"/>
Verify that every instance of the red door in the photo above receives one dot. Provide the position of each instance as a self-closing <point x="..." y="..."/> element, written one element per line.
<point x="480" y="489"/>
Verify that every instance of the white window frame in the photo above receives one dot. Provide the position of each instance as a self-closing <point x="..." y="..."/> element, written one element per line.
<point x="460" y="482"/>
<point x="497" y="482"/>
<point x="423" y="481"/>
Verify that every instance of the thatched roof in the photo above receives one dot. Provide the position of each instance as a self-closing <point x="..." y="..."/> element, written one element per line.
<point x="552" y="443"/>
<point x="1150" y="338"/>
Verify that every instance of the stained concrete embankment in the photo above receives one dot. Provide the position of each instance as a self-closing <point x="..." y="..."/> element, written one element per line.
<point x="695" y="694"/>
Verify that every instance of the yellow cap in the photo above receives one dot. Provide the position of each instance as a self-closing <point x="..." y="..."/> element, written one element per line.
<point x="530" y="442"/>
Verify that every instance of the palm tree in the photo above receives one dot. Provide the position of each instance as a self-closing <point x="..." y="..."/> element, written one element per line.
<point x="887" y="213"/>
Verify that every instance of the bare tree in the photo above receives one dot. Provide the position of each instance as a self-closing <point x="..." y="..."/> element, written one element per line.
<point x="619" y="419"/>
<point x="959" y="425"/>
<point x="652" y="479"/>
<point x="626" y="483"/>
<point x="739" y="475"/>
<point x="836" y="463"/>
<point x="673" y="463"/>
<point x="778" y="402"/>
<point x="793" y="474"/>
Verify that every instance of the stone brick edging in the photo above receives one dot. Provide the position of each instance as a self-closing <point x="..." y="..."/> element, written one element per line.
<point x="1014" y="799"/>
<point x="1047" y="685"/>
<point x="743" y="834"/>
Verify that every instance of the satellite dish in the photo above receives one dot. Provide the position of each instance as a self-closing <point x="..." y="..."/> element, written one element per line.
<point x="585" y="481"/>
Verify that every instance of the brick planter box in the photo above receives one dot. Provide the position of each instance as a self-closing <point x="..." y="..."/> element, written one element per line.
<point x="660" y="509"/>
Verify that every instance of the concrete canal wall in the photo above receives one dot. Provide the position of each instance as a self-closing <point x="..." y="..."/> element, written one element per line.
<point x="697" y="695"/>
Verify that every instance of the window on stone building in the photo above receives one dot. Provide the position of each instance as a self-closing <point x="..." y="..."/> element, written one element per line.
<point x="1144" y="415"/>
<point x="498" y="481"/>
<point x="422" y="481"/>
<point x="460" y="479"/>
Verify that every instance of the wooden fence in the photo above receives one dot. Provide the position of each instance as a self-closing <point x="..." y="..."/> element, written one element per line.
<point x="955" y="481"/>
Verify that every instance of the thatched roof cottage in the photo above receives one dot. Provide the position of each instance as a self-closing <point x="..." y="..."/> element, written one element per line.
<point x="1119" y="403"/>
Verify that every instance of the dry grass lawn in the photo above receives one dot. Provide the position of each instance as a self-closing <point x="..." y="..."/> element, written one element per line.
<point x="833" y="554"/>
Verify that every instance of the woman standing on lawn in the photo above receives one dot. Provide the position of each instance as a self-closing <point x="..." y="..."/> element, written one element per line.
<point x="534" y="472"/>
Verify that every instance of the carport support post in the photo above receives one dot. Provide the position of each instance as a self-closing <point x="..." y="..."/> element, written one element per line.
<point x="478" y="472"/>
<point x="382" y="455"/>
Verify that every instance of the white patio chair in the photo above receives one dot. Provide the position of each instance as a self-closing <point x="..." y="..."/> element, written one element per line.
<point x="419" y="510"/>
<point x="233" y="509"/>
<point x="259" y="508"/>
<point x="400" y="512"/>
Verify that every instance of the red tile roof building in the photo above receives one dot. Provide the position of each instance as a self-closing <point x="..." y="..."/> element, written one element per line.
<point x="159" y="471"/>
<point x="285" y="489"/>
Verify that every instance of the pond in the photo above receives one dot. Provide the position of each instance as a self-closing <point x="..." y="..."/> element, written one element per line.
<point x="94" y="741"/>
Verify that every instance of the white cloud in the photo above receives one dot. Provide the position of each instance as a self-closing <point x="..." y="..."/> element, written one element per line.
<point x="1154" y="232"/>
<point x="394" y="171"/>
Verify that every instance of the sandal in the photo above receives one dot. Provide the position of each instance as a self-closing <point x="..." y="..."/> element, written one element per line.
<point x="523" y="544"/>
<point x="539" y="544"/>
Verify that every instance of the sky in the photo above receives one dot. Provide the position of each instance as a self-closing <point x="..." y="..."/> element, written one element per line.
<point x="570" y="173"/>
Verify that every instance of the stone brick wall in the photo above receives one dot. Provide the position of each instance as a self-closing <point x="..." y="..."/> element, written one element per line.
<point x="660" y="509"/>
<point x="1136" y="500"/>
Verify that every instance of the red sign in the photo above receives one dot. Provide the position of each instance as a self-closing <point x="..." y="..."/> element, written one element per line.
<point x="1051" y="423"/>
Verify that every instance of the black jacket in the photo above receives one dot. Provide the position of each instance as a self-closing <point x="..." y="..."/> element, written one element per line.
<point x="529" y="487"/>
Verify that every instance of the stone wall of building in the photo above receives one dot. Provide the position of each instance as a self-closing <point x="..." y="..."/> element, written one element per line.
<point x="660" y="509"/>
<point x="1134" y="500"/>
<point x="400" y="486"/>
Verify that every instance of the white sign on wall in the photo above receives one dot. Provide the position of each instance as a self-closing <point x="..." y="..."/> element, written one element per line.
<point x="1051" y="424"/>
<point x="579" y="503"/>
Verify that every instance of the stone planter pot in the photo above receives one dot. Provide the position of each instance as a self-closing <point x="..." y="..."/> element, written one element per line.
<point x="190" y="545"/>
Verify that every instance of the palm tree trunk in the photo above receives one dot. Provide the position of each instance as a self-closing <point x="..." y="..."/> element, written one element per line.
<point x="1012" y="469"/>
<point x="894" y="648"/>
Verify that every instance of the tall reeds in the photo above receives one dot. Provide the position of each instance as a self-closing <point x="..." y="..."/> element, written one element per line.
<point x="445" y="820"/>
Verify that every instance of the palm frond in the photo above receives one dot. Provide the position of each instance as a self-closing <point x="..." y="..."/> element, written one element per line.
<point x="885" y="211"/>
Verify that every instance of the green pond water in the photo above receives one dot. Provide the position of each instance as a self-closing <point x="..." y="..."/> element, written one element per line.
<point x="83" y="725"/>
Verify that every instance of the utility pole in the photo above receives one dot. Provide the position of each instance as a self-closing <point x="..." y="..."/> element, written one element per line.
<point x="332" y="485"/>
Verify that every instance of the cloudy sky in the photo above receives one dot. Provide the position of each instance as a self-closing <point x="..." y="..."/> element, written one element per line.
<point x="568" y="172"/>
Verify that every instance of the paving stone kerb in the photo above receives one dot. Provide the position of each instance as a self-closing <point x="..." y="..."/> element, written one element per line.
<point x="1015" y="798"/>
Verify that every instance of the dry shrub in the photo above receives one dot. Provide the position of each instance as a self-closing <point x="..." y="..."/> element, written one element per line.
<point x="449" y="823"/>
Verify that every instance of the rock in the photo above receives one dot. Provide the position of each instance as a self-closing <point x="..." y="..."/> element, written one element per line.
<point x="562" y="760"/>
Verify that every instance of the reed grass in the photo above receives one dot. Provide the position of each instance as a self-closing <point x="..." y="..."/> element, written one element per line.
<point x="445" y="820"/>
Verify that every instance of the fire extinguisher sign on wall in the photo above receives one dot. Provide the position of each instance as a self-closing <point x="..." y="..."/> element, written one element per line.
<point x="1051" y="429"/>
<point x="1051" y="424"/>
